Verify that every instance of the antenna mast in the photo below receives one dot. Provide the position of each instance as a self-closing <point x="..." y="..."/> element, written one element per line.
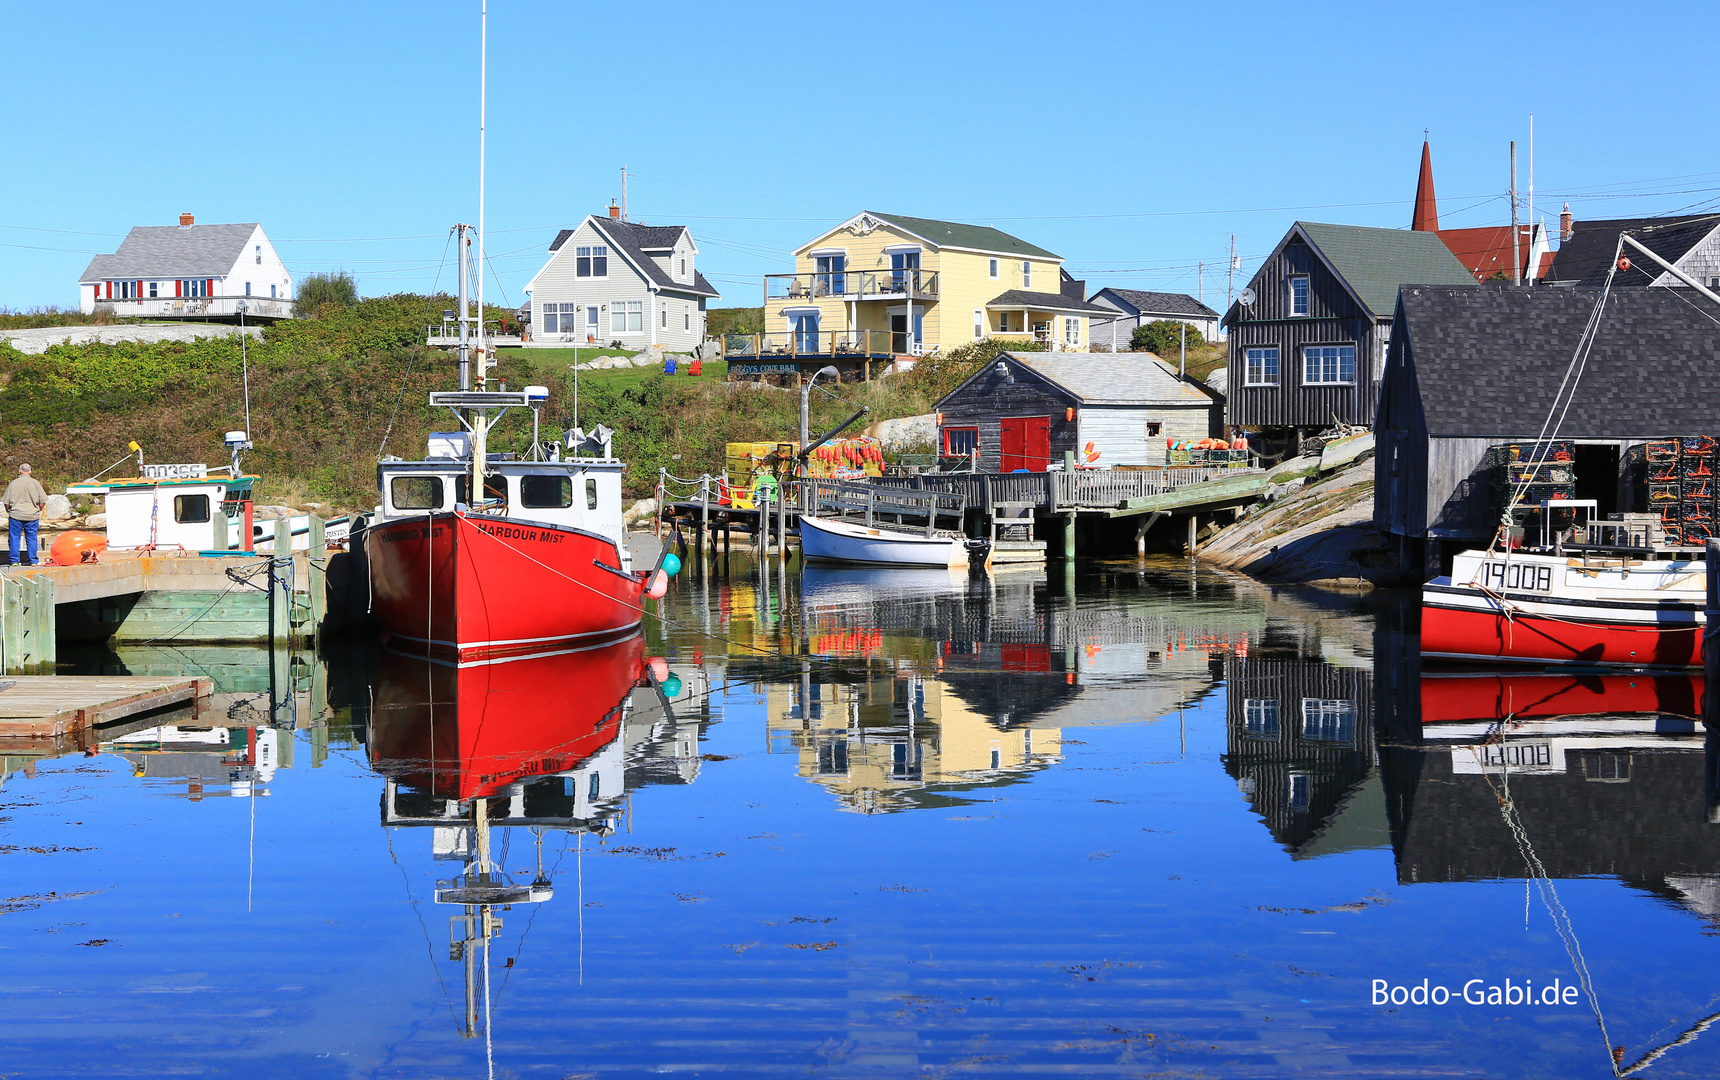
<point x="1532" y="269"/>
<point x="1516" y="257"/>
<point x="623" y="193"/>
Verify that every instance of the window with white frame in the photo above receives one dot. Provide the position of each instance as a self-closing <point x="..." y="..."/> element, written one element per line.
<point x="993" y="268"/>
<point x="152" y="286"/>
<point x="978" y="323"/>
<point x="1260" y="718"/>
<point x="1328" y="720"/>
<point x="1328" y="364"/>
<point x="1261" y="366"/>
<point x="663" y="317"/>
<point x="1071" y="330"/>
<point x="1299" y="295"/>
<point x="831" y="280"/>
<point x="687" y="319"/>
<point x="1026" y="274"/>
<point x="683" y="267"/>
<point x="560" y="318"/>
<point x="626" y="315"/>
<point x="591" y="261"/>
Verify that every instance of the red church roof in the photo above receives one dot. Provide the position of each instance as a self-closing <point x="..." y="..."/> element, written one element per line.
<point x="1487" y="251"/>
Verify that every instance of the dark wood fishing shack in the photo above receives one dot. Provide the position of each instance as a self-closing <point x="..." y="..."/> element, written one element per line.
<point x="1471" y="371"/>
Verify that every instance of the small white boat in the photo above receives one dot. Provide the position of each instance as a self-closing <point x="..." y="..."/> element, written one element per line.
<point x="832" y="540"/>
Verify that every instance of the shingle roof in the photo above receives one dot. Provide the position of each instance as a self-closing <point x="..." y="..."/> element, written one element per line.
<point x="1486" y="251"/>
<point x="632" y="240"/>
<point x="1160" y="303"/>
<point x="1041" y="301"/>
<point x="1375" y="262"/>
<point x="1590" y="249"/>
<point x="1108" y="379"/>
<point x="1670" y="242"/>
<point x="957" y="234"/>
<point x="173" y="251"/>
<point x="1489" y="360"/>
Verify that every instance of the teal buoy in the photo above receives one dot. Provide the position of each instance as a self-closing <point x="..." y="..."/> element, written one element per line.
<point x="672" y="686"/>
<point x="671" y="564"/>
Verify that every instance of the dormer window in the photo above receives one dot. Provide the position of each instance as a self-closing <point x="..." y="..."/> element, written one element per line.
<point x="1299" y="295"/>
<point x="591" y="261"/>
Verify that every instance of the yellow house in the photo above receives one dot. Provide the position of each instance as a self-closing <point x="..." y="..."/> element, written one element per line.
<point x="885" y="286"/>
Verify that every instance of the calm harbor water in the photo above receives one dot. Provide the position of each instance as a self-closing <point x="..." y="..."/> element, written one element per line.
<point x="1150" y="822"/>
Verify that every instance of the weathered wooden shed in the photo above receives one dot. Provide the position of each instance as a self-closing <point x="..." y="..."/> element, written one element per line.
<point x="1025" y="410"/>
<point x="1472" y="368"/>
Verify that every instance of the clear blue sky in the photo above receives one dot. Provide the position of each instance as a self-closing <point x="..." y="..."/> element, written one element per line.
<point x="1133" y="139"/>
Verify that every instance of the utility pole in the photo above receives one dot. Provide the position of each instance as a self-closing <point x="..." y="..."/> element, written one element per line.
<point x="1200" y="272"/>
<point x="1516" y="256"/>
<point x="1230" y="277"/>
<point x="623" y="193"/>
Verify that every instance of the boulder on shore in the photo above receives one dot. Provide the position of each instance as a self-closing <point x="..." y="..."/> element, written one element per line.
<point x="643" y="509"/>
<point x="59" y="508"/>
<point x="269" y="512"/>
<point x="96" y="521"/>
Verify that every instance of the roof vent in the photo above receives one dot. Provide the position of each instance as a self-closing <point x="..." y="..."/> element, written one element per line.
<point x="186" y="221"/>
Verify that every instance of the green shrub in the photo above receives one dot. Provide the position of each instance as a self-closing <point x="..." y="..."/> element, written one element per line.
<point x="323" y="291"/>
<point x="1165" y="337"/>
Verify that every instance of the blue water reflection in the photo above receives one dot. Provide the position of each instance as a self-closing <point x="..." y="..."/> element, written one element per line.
<point x="1149" y="822"/>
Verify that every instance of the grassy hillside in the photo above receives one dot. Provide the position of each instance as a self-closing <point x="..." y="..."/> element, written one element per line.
<point x="329" y="394"/>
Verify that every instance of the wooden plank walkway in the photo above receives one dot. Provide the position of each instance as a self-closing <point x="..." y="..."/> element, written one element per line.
<point x="53" y="705"/>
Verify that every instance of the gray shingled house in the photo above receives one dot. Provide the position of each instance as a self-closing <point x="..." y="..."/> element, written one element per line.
<point x="1138" y="308"/>
<point x="1309" y="346"/>
<point x="1470" y="368"/>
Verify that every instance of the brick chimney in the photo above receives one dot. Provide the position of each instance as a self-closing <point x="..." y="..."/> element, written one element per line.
<point x="1565" y="229"/>
<point x="614" y="210"/>
<point x="186" y="219"/>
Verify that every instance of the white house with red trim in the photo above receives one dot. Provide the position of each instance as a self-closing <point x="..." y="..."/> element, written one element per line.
<point x="190" y="271"/>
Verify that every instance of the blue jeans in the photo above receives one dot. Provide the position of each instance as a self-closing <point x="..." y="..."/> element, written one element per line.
<point x="28" y="529"/>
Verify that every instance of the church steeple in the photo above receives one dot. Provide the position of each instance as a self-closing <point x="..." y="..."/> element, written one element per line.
<point x="1426" y="217"/>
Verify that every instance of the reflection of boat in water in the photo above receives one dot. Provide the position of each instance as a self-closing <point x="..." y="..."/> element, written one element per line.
<point x="1475" y="697"/>
<point x="834" y="586"/>
<point x="451" y="732"/>
<point x="538" y="742"/>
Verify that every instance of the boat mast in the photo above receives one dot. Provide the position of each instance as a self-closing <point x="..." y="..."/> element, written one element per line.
<point x="481" y="417"/>
<point x="460" y="245"/>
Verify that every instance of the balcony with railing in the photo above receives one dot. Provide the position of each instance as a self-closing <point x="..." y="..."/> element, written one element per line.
<point x="821" y="344"/>
<point x="904" y="284"/>
<point x="198" y="307"/>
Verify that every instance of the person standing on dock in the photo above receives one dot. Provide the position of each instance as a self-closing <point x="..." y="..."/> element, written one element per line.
<point x="25" y="499"/>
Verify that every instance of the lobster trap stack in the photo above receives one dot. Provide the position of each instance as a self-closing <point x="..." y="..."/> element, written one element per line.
<point x="1682" y="489"/>
<point x="1525" y="475"/>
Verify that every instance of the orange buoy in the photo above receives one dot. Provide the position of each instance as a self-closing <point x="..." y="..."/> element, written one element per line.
<point x="1623" y="264"/>
<point x="75" y="547"/>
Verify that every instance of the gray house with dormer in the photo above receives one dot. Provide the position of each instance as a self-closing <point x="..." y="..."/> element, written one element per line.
<point x="611" y="280"/>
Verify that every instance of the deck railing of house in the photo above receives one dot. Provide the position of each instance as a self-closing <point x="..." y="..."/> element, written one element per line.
<point x="820" y="343"/>
<point x="447" y="335"/>
<point x="179" y="307"/>
<point x="853" y="285"/>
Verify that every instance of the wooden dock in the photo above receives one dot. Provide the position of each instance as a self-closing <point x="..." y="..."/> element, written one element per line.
<point x="50" y="706"/>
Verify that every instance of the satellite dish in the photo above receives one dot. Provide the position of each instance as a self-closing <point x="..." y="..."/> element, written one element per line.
<point x="1247" y="297"/>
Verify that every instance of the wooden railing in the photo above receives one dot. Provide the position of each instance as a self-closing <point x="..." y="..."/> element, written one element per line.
<point x="1053" y="492"/>
<point x="869" y="503"/>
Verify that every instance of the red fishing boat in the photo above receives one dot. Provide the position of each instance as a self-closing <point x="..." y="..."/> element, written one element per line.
<point x="539" y="562"/>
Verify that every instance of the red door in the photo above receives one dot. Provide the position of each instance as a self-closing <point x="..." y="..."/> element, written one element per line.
<point x="1025" y="443"/>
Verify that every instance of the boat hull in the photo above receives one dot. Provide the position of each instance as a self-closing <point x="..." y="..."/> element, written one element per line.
<point x="1469" y="625"/>
<point x="823" y="540"/>
<point x="471" y="588"/>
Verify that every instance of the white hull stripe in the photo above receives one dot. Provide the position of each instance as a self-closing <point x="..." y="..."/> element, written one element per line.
<point x="612" y="631"/>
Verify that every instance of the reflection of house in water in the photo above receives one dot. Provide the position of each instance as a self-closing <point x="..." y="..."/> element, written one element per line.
<point x="898" y="741"/>
<point x="1300" y="744"/>
<point x="1608" y="775"/>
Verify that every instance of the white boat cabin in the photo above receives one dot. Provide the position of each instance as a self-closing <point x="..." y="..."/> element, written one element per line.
<point x="203" y="513"/>
<point x="581" y="493"/>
